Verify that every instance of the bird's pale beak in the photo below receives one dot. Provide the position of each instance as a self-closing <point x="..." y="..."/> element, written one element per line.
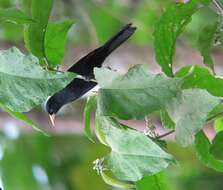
<point x="52" y="119"/>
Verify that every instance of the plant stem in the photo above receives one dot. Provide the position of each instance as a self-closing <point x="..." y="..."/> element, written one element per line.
<point x="165" y="134"/>
<point x="214" y="116"/>
<point x="172" y="131"/>
<point x="219" y="6"/>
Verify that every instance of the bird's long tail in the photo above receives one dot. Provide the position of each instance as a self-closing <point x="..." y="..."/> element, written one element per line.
<point x="119" y="38"/>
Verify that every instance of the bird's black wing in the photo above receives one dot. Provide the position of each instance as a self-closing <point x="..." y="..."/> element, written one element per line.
<point x="85" y="66"/>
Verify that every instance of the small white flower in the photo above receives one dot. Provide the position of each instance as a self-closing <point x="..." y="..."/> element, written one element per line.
<point x="150" y="129"/>
<point x="99" y="165"/>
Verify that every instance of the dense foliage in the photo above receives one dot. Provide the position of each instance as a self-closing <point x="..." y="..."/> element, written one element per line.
<point x="185" y="99"/>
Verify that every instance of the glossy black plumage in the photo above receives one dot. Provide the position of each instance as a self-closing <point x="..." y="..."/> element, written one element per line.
<point x="85" y="67"/>
<point x="76" y="89"/>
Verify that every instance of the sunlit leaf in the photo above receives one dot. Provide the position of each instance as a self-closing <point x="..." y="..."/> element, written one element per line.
<point x="24" y="84"/>
<point x="189" y="110"/>
<point x="54" y="43"/>
<point x="133" y="155"/>
<point x="167" y="30"/>
<point x="136" y="93"/>
<point x="34" y="33"/>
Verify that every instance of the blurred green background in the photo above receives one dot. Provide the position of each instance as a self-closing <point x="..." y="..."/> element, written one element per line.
<point x="64" y="162"/>
<point x="29" y="160"/>
<point x="97" y="20"/>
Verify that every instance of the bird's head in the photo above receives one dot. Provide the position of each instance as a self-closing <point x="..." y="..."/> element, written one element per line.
<point x="52" y="107"/>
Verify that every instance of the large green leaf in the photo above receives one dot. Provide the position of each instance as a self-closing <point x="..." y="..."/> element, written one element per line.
<point x="205" y="43"/>
<point x="200" y="77"/>
<point x="54" y="43"/>
<point x="134" y="94"/>
<point x="133" y="155"/>
<point x="154" y="182"/>
<point x="15" y="15"/>
<point x="34" y="33"/>
<point x="217" y="146"/>
<point x="189" y="110"/>
<point x="24" y="84"/>
<point x="169" y="27"/>
<point x="203" y="146"/>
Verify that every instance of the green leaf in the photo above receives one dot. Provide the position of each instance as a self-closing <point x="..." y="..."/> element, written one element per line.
<point x="203" y="146"/>
<point x="24" y="84"/>
<point x="135" y="94"/>
<point x="218" y="124"/>
<point x="34" y="33"/>
<point x="154" y="182"/>
<point x="167" y="30"/>
<point x="217" y="146"/>
<point x="189" y="110"/>
<point x="116" y="183"/>
<point x="133" y="155"/>
<point x="22" y="117"/>
<point x="54" y="42"/>
<point x="166" y="120"/>
<point x="205" y="43"/>
<point x="15" y="15"/>
<point x="90" y="105"/>
<point x="200" y="77"/>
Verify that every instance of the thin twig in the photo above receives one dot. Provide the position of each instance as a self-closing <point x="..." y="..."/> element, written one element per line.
<point x="214" y="116"/>
<point x="207" y="120"/>
<point x="165" y="134"/>
<point x="172" y="131"/>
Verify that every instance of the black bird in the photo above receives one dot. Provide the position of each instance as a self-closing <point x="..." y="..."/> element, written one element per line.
<point x="85" y="67"/>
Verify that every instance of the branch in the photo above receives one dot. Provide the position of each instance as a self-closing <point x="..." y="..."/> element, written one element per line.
<point x="172" y="131"/>
<point x="214" y="116"/>
<point x="165" y="134"/>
